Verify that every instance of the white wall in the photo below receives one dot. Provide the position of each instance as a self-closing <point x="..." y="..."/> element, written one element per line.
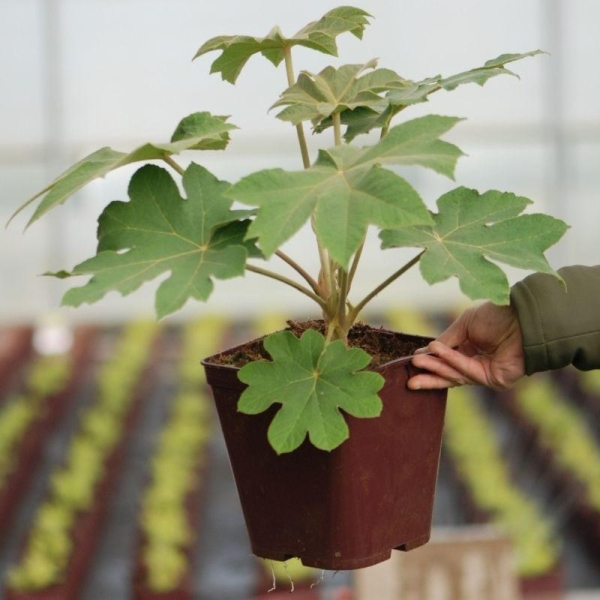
<point x="80" y="74"/>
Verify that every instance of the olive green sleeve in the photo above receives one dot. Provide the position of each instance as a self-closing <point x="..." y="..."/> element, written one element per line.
<point x="560" y="325"/>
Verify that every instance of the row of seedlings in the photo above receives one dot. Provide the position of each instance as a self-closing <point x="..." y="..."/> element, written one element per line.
<point x="488" y="490"/>
<point x="590" y="383"/>
<point x="60" y="545"/>
<point x="28" y="417"/>
<point x="169" y="518"/>
<point x="565" y="445"/>
<point x="582" y="388"/>
<point x="491" y="496"/>
<point x="15" y="349"/>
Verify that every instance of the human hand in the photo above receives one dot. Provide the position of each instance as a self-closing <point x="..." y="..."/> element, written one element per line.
<point x="482" y="347"/>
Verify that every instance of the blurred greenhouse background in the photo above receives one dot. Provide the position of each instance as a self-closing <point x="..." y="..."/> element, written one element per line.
<point x="78" y="75"/>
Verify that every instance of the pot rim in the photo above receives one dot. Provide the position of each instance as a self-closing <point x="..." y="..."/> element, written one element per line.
<point x="380" y="369"/>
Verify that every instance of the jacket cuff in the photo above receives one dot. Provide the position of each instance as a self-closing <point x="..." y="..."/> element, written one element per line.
<point x="560" y="325"/>
<point x="523" y="299"/>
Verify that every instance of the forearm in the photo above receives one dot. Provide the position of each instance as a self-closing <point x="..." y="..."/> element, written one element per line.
<point x="560" y="326"/>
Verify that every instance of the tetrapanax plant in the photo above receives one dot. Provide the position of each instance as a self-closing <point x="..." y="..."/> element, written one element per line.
<point x="344" y="191"/>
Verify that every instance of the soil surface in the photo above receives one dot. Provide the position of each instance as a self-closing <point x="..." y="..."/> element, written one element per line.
<point x="380" y="343"/>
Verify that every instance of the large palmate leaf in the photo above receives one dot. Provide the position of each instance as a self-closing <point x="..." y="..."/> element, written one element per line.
<point x="157" y="231"/>
<point x="319" y="35"/>
<point x="316" y="97"/>
<point x="470" y="231"/>
<point x="403" y="93"/>
<point x="313" y="381"/>
<point x="346" y="190"/>
<point x="198" y="131"/>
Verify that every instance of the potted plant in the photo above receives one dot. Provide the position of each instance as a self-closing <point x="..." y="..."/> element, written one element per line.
<point x="306" y="420"/>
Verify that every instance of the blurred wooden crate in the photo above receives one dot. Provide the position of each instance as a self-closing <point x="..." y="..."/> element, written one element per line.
<point x="470" y="563"/>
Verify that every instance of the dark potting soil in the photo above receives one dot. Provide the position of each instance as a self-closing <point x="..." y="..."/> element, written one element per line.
<point x="381" y="348"/>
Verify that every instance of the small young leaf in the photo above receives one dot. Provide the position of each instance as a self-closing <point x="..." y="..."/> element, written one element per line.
<point x="398" y="96"/>
<point x="313" y="381"/>
<point x="470" y="231"/>
<point x="322" y="33"/>
<point x="319" y="35"/>
<point x="490" y="69"/>
<point x="316" y="97"/>
<point x="196" y="127"/>
<point x="199" y="131"/>
<point x="157" y="231"/>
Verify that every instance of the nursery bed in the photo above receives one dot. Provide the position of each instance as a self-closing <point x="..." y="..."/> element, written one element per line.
<point x="27" y="454"/>
<point x="15" y="349"/>
<point x="222" y="565"/>
<point x="533" y="471"/>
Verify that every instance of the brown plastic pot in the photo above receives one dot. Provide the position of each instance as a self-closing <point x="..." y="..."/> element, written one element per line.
<point x="344" y="509"/>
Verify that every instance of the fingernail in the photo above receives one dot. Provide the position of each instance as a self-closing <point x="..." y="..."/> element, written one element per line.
<point x="414" y="385"/>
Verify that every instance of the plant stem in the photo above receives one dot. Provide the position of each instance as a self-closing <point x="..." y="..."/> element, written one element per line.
<point x="330" y="329"/>
<point x="290" y="282"/>
<point x="325" y="274"/>
<point x="338" y="323"/>
<point x="336" y="284"/>
<point x="303" y="146"/>
<point x="313" y="284"/>
<point x="289" y="69"/>
<point x="341" y="308"/>
<point x="337" y="128"/>
<point x="384" y="131"/>
<point x="382" y="286"/>
<point x="355" y="262"/>
<point x="174" y="165"/>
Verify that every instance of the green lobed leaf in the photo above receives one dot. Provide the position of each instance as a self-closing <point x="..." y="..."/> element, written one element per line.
<point x="470" y="231"/>
<point x="315" y="97"/>
<point x="481" y="75"/>
<point x="203" y="130"/>
<point x="158" y="231"/>
<point x="417" y="142"/>
<point x="403" y="93"/>
<point x="198" y="131"/>
<point x="319" y="35"/>
<point x="313" y="381"/>
<point x="346" y="190"/>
